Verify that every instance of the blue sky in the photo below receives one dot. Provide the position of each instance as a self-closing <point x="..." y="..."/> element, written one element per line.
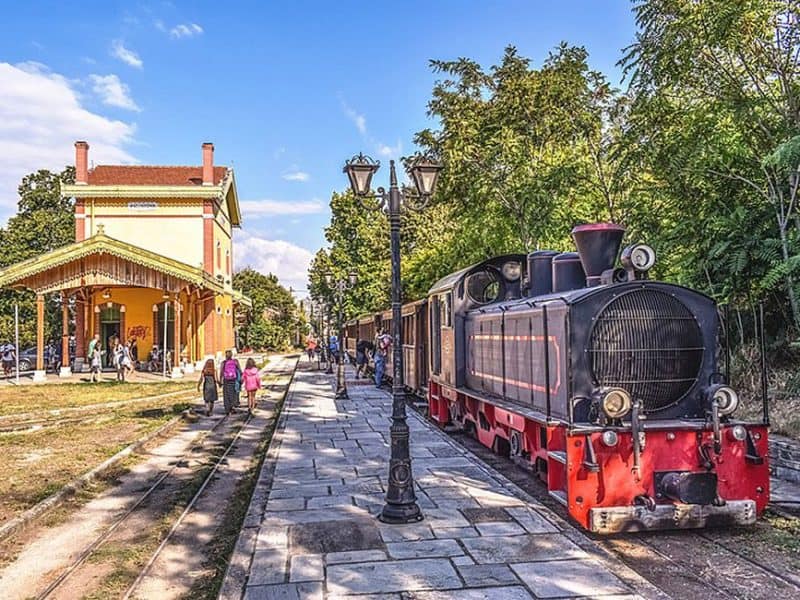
<point x="285" y="90"/>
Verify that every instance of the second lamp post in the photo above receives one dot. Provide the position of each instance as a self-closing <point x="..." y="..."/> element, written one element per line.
<point x="339" y="286"/>
<point x="401" y="500"/>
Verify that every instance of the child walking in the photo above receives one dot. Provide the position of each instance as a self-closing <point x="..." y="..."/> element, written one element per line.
<point x="208" y="378"/>
<point x="252" y="382"/>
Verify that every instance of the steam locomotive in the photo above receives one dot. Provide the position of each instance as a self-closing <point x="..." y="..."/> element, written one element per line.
<point x="601" y="381"/>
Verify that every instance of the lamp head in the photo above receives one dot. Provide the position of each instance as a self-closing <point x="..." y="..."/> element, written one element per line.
<point x="425" y="174"/>
<point x="360" y="170"/>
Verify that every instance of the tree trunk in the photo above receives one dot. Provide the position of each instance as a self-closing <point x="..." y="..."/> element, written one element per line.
<point x="789" y="278"/>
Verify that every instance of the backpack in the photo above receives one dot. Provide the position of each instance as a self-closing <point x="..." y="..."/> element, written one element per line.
<point x="229" y="370"/>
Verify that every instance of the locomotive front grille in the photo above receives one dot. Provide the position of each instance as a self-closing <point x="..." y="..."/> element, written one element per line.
<point x="647" y="342"/>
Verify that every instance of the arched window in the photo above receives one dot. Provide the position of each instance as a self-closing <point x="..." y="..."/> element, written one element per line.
<point x="219" y="254"/>
<point x="228" y="262"/>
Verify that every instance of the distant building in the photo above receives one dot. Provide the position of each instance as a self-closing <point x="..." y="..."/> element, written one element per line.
<point x="153" y="253"/>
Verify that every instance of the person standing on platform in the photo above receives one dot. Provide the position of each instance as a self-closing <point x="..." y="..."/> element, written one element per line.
<point x="229" y="374"/>
<point x="9" y="357"/>
<point x="95" y="360"/>
<point x="208" y="378"/>
<point x="362" y="348"/>
<point x="383" y="342"/>
<point x="252" y="383"/>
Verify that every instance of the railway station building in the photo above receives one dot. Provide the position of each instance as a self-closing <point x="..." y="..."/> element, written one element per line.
<point x="152" y="260"/>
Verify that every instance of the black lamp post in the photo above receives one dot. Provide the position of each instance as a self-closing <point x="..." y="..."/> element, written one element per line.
<point x="327" y="313"/>
<point x="339" y="287"/>
<point x="401" y="500"/>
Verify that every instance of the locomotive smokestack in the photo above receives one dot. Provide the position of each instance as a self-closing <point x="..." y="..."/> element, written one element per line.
<point x="598" y="246"/>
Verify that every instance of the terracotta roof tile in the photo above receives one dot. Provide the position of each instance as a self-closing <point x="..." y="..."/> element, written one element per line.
<point x="151" y="175"/>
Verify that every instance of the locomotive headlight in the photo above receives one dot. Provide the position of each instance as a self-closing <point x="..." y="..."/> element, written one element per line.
<point x="726" y="397"/>
<point x="512" y="270"/>
<point x="610" y="438"/>
<point x="639" y="257"/>
<point x="616" y="402"/>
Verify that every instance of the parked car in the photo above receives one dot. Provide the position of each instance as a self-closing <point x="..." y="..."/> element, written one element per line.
<point x="52" y="358"/>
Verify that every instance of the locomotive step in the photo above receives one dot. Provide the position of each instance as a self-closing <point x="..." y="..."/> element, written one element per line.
<point x="558" y="455"/>
<point x="559" y="495"/>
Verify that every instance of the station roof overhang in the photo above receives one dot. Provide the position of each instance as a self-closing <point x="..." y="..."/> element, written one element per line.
<point x="104" y="261"/>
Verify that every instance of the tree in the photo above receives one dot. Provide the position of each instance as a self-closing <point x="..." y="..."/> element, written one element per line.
<point x="273" y="319"/>
<point x="44" y="221"/>
<point x="718" y="102"/>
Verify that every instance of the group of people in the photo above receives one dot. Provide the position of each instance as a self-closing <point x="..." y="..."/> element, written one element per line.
<point x="378" y="350"/>
<point x="123" y="357"/>
<point x="231" y="378"/>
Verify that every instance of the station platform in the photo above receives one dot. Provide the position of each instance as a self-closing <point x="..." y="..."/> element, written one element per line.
<point x="312" y="532"/>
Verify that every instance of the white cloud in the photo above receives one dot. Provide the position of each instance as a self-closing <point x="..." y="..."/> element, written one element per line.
<point x="185" y="30"/>
<point x="41" y="116"/>
<point x="113" y="92"/>
<point x="287" y="261"/>
<point x="296" y="176"/>
<point x="278" y="208"/>
<point x="129" y="57"/>
<point x="359" y="120"/>
<point x="390" y="151"/>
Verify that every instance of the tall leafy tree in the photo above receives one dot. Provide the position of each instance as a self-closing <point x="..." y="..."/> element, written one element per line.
<point x="717" y="107"/>
<point x="273" y="320"/>
<point x="44" y="221"/>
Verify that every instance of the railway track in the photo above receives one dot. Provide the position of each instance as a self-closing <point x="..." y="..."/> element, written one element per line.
<point x="214" y="448"/>
<point x="713" y="564"/>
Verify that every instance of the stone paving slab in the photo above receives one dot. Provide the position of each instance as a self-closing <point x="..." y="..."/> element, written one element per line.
<point x="318" y="535"/>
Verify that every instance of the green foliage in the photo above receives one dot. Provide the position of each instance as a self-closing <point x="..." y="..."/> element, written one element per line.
<point x="699" y="157"/>
<point x="273" y="321"/>
<point x="44" y="221"/>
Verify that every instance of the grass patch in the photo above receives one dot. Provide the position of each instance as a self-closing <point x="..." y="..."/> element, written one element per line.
<point x="32" y="398"/>
<point x="37" y="464"/>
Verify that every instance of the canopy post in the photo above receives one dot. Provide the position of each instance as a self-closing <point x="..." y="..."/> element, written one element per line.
<point x="65" y="370"/>
<point x="176" y="353"/>
<point x="39" y="373"/>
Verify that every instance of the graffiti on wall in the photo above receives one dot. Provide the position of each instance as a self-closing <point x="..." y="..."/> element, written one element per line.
<point x="140" y="332"/>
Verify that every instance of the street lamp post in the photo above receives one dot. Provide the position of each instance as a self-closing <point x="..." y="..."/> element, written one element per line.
<point x="329" y="370"/>
<point x="401" y="500"/>
<point x="339" y="287"/>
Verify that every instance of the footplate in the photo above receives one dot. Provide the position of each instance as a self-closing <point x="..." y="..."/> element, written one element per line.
<point x="621" y="519"/>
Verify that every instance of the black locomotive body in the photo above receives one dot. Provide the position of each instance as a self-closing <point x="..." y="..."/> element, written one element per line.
<point x="603" y="382"/>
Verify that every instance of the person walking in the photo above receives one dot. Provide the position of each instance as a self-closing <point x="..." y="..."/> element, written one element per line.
<point x="127" y="358"/>
<point x="333" y="348"/>
<point x="383" y="342"/>
<point x="92" y="343"/>
<point x="229" y="374"/>
<point x="208" y="378"/>
<point x="95" y="361"/>
<point x="134" y="348"/>
<point x="362" y="348"/>
<point x="118" y="358"/>
<point x="9" y="357"/>
<point x="311" y="347"/>
<point x="252" y="383"/>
